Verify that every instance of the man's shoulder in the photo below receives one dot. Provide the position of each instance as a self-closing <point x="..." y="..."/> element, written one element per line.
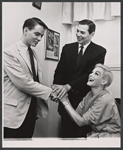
<point x="71" y="44"/>
<point x="11" y="49"/>
<point x="95" y="45"/>
<point x="10" y="46"/>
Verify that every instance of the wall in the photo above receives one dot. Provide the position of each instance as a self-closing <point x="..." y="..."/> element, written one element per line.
<point x="108" y="34"/>
<point x="13" y="16"/>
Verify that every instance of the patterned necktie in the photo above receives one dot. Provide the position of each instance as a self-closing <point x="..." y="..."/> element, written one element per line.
<point x="80" y="55"/>
<point x="32" y="64"/>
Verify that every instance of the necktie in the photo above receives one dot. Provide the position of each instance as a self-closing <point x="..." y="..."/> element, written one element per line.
<point x="32" y="64"/>
<point x="33" y="105"/>
<point x="79" y="55"/>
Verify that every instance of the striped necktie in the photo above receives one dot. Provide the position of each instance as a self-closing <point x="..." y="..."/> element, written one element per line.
<point x="80" y="55"/>
<point x="32" y="63"/>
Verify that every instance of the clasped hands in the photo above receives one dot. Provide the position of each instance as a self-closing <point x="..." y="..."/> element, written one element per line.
<point x="59" y="91"/>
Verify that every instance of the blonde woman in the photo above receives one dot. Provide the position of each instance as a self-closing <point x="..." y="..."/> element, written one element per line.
<point x="98" y="108"/>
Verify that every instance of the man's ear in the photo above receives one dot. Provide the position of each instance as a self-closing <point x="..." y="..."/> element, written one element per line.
<point x="104" y="82"/>
<point x="92" y="34"/>
<point x="25" y="30"/>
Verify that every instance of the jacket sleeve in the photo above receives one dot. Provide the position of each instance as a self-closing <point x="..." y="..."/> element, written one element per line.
<point x="21" y="80"/>
<point x="60" y="72"/>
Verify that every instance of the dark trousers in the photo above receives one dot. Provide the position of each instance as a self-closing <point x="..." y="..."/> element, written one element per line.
<point x="71" y="130"/>
<point x="27" y="128"/>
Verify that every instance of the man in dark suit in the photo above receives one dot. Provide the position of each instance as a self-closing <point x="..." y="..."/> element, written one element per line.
<point x="71" y="76"/>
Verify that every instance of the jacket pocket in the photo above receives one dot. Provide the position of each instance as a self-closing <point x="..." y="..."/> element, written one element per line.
<point x="12" y="102"/>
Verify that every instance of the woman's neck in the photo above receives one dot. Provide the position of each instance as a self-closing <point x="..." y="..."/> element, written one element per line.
<point x="96" y="90"/>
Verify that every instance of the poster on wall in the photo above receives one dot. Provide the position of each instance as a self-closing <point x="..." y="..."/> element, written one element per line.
<point x="52" y="45"/>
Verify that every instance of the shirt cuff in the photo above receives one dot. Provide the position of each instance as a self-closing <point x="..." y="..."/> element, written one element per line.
<point x="68" y="87"/>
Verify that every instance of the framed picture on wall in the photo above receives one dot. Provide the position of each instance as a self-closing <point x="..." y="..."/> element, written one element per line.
<point x="52" y="45"/>
<point x="37" y="4"/>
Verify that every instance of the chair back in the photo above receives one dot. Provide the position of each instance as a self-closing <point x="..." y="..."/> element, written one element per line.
<point x="117" y="101"/>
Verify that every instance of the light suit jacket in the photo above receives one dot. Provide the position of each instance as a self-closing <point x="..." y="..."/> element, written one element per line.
<point x="19" y="87"/>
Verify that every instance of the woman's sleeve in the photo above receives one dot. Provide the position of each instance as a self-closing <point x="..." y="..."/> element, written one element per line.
<point x="99" y="112"/>
<point x="80" y="107"/>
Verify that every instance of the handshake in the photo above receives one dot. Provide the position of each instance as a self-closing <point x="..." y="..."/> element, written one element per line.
<point x="58" y="91"/>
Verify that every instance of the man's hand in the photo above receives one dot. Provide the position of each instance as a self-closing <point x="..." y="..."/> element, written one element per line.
<point x="61" y="90"/>
<point x="53" y="96"/>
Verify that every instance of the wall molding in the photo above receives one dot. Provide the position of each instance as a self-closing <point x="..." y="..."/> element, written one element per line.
<point x="115" y="68"/>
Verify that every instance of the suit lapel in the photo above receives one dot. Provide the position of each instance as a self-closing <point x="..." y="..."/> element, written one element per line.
<point x="75" y="49"/>
<point x="25" y="61"/>
<point x="22" y="54"/>
<point x="73" y="54"/>
<point x="39" y="71"/>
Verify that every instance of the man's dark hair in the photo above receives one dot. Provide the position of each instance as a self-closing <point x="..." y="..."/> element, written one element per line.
<point x="92" y="26"/>
<point x="32" y="22"/>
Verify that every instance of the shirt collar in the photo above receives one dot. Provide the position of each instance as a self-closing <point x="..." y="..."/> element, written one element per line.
<point x="25" y="48"/>
<point x="85" y="46"/>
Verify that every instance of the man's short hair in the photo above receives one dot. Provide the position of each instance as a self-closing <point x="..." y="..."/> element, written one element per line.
<point x="92" y="26"/>
<point x="32" y="22"/>
<point x="108" y="75"/>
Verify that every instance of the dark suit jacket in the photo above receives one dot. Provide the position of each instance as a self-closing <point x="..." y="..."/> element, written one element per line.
<point x="67" y="71"/>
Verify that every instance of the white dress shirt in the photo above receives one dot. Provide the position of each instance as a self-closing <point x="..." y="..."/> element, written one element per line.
<point x="26" y="51"/>
<point x="84" y="47"/>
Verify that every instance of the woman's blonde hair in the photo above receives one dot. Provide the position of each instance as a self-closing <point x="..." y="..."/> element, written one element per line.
<point x="108" y="75"/>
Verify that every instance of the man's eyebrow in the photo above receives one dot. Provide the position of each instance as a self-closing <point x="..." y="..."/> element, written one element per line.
<point x="39" y="33"/>
<point x="80" y="31"/>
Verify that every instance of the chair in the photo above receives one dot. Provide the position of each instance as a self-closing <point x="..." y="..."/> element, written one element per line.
<point x="117" y="101"/>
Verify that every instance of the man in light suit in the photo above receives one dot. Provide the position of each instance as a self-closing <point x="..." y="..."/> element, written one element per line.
<point x="24" y="97"/>
<point x="72" y="77"/>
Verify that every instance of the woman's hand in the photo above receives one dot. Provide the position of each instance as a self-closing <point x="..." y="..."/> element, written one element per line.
<point x="64" y="100"/>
